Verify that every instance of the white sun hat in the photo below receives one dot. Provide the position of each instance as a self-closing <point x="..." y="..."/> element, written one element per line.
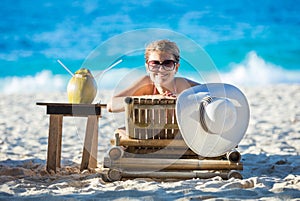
<point x="213" y="118"/>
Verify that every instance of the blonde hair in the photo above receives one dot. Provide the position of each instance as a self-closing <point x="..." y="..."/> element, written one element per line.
<point x="163" y="46"/>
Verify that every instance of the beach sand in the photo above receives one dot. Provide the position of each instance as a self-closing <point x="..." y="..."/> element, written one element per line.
<point x="270" y="153"/>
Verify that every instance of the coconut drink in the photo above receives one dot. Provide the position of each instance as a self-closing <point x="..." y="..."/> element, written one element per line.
<point x="82" y="87"/>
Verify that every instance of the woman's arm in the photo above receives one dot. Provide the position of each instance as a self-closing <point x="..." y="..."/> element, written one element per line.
<point x="116" y="104"/>
<point x="139" y="88"/>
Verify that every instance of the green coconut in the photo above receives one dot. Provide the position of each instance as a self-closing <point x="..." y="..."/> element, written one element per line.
<point x="82" y="87"/>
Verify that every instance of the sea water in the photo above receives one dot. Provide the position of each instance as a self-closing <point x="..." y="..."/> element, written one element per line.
<point x="250" y="42"/>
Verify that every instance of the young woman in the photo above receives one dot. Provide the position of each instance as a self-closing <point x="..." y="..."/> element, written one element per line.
<point x="162" y="63"/>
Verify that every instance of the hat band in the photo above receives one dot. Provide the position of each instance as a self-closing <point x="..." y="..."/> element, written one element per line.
<point x="205" y="101"/>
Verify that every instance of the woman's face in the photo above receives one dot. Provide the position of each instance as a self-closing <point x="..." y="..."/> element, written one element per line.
<point x="161" y="76"/>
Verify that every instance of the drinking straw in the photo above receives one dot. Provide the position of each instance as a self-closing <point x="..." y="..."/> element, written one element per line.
<point x="65" y="67"/>
<point x="110" y="67"/>
<point x="102" y="72"/>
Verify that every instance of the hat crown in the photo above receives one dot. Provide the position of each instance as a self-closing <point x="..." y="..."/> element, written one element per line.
<point x="212" y="118"/>
<point x="219" y="115"/>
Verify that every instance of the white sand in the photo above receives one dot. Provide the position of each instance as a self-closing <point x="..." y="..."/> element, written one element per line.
<point x="270" y="151"/>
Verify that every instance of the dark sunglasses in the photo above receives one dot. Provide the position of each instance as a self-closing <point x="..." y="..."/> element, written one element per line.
<point x="167" y="65"/>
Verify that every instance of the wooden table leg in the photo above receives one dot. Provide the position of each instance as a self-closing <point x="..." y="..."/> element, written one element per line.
<point x="54" y="142"/>
<point x="90" y="149"/>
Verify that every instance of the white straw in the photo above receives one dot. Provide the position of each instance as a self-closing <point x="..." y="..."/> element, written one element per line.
<point x="65" y="67"/>
<point x="110" y="67"/>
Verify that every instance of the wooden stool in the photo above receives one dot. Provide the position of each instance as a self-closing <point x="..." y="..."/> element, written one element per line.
<point x="57" y="111"/>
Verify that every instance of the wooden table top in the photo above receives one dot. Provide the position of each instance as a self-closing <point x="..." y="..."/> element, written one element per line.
<point x="70" y="109"/>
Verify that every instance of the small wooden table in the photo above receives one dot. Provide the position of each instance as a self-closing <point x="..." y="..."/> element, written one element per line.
<point x="57" y="111"/>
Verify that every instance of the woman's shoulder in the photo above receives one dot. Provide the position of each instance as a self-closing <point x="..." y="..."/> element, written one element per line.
<point x="144" y="79"/>
<point x="186" y="81"/>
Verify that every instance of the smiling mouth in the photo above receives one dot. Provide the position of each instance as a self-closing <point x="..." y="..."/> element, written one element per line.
<point x="160" y="75"/>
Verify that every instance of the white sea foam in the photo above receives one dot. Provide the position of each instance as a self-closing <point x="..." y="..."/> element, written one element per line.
<point x="43" y="81"/>
<point x="254" y="70"/>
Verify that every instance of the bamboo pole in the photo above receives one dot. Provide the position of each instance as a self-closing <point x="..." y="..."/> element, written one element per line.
<point x="115" y="153"/>
<point x="135" y="152"/>
<point x="234" y="174"/>
<point x="152" y="143"/>
<point x="174" y="175"/>
<point x="117" y="175"/>
<point x="164" y="151"/>
<point x="114" y="175"/>
<point x="171" y="164"/>
<point x="234" y="156"/>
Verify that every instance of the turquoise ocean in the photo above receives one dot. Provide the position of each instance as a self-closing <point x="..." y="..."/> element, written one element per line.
<point x="250" y="42"/>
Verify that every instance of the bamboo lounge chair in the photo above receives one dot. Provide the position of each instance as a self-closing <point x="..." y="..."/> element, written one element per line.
<point x="158" y="147"/>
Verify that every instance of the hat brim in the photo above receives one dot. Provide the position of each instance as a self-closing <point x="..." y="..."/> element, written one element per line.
<point x="188" y="118"/>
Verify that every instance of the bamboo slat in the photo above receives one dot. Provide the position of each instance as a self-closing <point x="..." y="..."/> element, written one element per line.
<point x="162" y="119"/>
<point x="149" y="119"/>
<point x="142" y="120"/>
<point x="156" y="120"/>
<point x="129" y="117"/>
